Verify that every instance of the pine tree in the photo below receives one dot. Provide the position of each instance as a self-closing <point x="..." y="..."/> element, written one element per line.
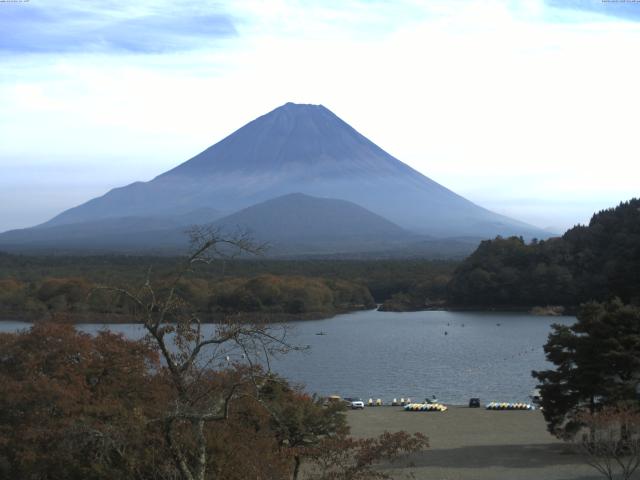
<point x="597" y="363"/>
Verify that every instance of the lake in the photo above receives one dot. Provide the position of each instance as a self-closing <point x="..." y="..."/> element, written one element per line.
<point x="453" y="355"/>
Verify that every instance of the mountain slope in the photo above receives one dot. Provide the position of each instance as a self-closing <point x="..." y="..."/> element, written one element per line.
<point x="121" y="233"/>
<point x="297" y="223"/>
<point x="308" y="149"/>
<point x="301" y="217"/>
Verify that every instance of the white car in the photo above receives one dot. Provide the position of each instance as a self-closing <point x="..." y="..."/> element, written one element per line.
<point x="357" y="403"/>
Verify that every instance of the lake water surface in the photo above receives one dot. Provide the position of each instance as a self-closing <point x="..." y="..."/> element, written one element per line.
<point x="386" y="355"/>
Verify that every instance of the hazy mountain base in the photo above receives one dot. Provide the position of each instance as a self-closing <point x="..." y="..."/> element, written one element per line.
<point x="169" y="243"/>
<point x="446" y="249"/>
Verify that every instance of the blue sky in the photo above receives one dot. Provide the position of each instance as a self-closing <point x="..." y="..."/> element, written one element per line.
<point x="525" y="107"/>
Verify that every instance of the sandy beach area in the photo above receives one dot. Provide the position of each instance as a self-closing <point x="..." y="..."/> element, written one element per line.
<point x="476" y="444"/>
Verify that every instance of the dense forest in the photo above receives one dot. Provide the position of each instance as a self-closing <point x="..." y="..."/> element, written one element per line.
<point x="45" y="286"/>
<point x="594" y="262"/>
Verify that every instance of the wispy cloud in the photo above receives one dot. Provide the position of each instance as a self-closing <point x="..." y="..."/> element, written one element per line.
<point x="623" y="9"/>
<point x="32" y="27"/>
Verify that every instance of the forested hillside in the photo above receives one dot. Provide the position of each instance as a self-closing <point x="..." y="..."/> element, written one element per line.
<point x="594" y="262"/>
<point x="42" y="286"/>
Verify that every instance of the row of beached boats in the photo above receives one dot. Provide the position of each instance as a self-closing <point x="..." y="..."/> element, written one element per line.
<point x="425" y="407"/>
<point x="439" y="407"/>
<point x="432" y="404"/>
<point x="509" y="406"/>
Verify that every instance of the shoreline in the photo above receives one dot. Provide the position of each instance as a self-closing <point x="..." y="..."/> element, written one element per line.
<point x="242" y="317"/>
<point x="270" y="317"/>
<point x="567" y="311"/>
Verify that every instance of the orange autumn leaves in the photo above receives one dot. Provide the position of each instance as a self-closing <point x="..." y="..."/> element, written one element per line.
<point x="75" y="406"/>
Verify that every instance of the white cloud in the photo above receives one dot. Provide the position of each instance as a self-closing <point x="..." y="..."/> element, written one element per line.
<point x="503" y="102"/>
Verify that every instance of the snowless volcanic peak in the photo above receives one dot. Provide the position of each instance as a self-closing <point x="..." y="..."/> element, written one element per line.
<point x="292" y="137"/>
<point x="305" y="149"/>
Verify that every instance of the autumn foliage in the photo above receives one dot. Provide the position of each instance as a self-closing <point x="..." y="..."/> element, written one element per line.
<point x="75" y="406"/>
<point x="78" y="298"/>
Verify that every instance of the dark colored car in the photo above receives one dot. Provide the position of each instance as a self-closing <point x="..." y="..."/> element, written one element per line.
<point x="474" y="403"/>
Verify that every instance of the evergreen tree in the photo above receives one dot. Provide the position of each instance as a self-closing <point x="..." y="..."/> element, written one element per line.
<point x="594" y="262"/>
<point x="597" y="362"/>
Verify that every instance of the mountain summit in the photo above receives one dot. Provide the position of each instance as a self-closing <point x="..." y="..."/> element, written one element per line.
<point x="299" y="149"/>
<point x="303" y="140"/>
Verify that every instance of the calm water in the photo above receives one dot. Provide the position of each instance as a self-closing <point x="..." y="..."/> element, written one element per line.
<point x="387" y="355"/>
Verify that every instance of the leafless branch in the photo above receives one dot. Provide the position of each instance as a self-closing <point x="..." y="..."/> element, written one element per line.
<point x="189" y="353"/>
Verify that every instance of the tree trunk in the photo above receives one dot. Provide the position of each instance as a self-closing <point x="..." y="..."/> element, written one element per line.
<point x="178" y="457"/>
<point x="592" y="428"/>
<point x="296" y="467"/>
<point x="201" y="460"/>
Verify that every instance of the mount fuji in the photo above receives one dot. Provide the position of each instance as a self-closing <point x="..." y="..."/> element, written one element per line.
<point x="294" y="149"/>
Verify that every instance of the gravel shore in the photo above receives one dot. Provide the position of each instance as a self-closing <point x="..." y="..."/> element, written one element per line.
<point x="476" y="444"/>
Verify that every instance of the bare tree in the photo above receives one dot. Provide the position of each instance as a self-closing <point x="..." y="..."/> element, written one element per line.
<point x="612" y="443"/>
<point x="192" y="351"/>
